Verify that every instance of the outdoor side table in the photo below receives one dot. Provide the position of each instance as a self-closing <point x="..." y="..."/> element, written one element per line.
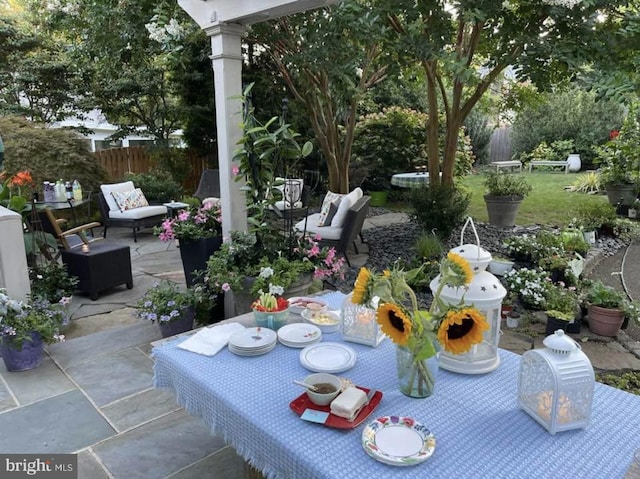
<point x="104" y="266"/>
<point x="174" y="206"/>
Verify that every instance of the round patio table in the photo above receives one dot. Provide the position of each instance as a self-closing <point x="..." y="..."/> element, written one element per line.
<point x="410" y="180"/>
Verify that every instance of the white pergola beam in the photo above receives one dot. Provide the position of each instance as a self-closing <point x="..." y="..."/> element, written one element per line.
<point x="245" y="12"/>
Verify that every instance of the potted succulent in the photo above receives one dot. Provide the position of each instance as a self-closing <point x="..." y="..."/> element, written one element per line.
<point x="504" y="193"/>
<point x="270" y="311"/>
<point x="608" y="309"/>
<point x="25" y="327"/>
<point x="172" y="308"/>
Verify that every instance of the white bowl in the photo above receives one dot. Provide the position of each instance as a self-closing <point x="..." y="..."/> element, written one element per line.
<point x="327" y="321"/>
<point x="323" y="378"/>
<point x="500" y="267"/>
<point x="298" y="304"/>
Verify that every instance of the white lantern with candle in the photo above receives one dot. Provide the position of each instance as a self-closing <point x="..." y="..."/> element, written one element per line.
<point x="555" y="384"/>
<point x="359" y="324"/>
<point x="485" y="292"/>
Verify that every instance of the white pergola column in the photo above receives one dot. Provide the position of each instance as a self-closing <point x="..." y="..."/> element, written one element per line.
<point x="226" y="58"/>
<point x="14" y="275"/>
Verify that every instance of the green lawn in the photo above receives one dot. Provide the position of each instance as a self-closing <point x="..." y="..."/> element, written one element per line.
<point x="549" y="203"/>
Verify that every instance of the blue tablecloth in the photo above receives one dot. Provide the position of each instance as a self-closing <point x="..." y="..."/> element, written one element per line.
<point x="479" y="429"/>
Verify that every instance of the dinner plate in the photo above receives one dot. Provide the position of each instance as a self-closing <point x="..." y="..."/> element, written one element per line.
<point x="255" y="352"/>
<point x="328" y="358"/>
<point x="398" y="441"/>
<point x="253" y="338"/>
<point x="300" y="404"/>
<point x="297" y="304"/>
<point x="299" y="335"/>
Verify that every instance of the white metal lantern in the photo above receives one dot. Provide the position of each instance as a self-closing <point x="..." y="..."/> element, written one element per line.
<point x="359" y="324"/>
<point x="485" y="292"/>
<point x="555" y="384"/>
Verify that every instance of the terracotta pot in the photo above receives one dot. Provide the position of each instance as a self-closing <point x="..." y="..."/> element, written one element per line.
<point x="604" y="321"/>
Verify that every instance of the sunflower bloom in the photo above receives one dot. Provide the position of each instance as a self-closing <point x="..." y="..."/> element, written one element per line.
<point x="394" y="323"/>
<point x="460" y="330"/>
<point x="461" y="268"/>
<point x="361" y="286"/>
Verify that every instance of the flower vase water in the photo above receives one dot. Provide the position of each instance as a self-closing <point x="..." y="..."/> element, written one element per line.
<point x="416" y="377"/>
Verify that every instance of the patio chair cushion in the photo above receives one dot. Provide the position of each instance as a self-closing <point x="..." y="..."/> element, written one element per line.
<point x="326" y="232"/>
<point x="329" y="199"/>
<point x="123" y="187"/>
<point x="138" y="213"/>
<point x="345" y="204"/>
<point x="130" y="200"/>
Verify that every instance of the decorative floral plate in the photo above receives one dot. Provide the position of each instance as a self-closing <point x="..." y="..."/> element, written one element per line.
<point x="398" y="441"/>
<point x="300" y="404"/>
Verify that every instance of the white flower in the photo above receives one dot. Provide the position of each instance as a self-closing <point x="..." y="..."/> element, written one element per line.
<point x="266" y="272"/>
<point x="275" y="289"/>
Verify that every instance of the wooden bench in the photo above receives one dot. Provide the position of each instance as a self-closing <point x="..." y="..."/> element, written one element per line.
<point x="506" y="164"/>
<point x="564" y="164"/>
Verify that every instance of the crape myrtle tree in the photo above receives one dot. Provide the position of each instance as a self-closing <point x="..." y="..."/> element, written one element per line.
<point x="463" y="46"/>
<point x="328" y="59"/>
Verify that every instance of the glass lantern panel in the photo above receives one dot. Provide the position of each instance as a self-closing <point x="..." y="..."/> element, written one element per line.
<point x="359" y="324"/>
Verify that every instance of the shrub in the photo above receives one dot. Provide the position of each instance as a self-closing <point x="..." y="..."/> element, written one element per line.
<point x="49" y="154"/>
<point x="386" y="143"/>
<point x="429" y="247"/>
<point x="157" y="186"/>
<point x="506" y="184"/>
<point x="439" y="209"/>
<point x="572" y="114"/>
<point x="588" y="182"/>
<point x="591" y="216"/>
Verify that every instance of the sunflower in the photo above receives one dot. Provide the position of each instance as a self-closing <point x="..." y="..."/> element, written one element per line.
<point x="460" y="267"/>
<point x="461" y="329"/>
<point x="361" y="286"/>
<point x="394" y="323"/>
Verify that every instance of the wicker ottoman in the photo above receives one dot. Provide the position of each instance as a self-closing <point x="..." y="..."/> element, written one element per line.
<point x="104" y="266"/>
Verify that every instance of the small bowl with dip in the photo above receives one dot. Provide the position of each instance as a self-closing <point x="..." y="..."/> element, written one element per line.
<point x="327" y="321"/>
<point x="327" y="387"/>
<point x="298" y="304"/>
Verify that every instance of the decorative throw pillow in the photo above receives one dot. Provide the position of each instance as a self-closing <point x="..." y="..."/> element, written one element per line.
<point x="347" y="202"/>
<point x="333" y="208"/>
<point x="329" y="198"/>
<point x="129" y="200"/>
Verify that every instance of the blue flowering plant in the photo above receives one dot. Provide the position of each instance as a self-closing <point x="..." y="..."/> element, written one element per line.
<point x="19" y="319"/>
<point x="165" y="302"/>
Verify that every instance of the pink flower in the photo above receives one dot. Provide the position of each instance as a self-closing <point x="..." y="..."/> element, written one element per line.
<point x="225" y="287"/>
<point x="314" y="251"/>
<point x="317" y="237"/>
<point x="235" y="170"/>
<point x="183" y="215"/>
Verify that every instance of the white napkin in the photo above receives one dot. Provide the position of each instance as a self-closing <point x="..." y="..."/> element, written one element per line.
<point x="208" y="341"/>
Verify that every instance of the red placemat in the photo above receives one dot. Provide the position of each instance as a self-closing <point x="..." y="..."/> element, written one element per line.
<point x="302" y="403"/>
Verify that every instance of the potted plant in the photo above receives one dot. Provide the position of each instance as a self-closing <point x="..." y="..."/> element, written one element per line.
<point x="270" y="311"/>
<point x="199" y="234"/>
<point x="608" y="308"/>
<point x="173" y="309"/>
<point x="562" y="309"/>
<point x="499" y="265"/>
<point x="25" y="327"/>
<point x="619" y="161"/>
<point x="52" y="282"/>
<point x="245" y="270"/>
<point x="378" y="188"/>
<point x="504" y="193"/>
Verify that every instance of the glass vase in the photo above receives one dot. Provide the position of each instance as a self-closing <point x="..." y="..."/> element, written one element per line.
<point x="416" y="378"/>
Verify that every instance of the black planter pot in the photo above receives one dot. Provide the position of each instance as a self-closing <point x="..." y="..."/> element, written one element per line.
<point x="195" y="253"/>
<point x="553" y="324"/>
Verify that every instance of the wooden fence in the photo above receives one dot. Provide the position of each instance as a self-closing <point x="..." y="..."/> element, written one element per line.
<point x="500" y="144"/>
<point x="135" y="159"/>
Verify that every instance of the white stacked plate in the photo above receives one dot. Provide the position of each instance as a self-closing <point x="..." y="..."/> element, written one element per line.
<point x="328" y="358"/>
<point x="299" y="335"/>
<point x="253" y="341"/>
